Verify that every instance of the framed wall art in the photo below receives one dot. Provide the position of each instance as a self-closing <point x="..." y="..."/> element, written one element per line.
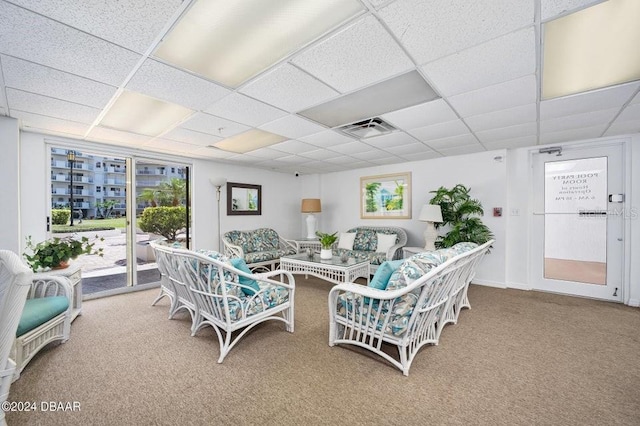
<point x="386" y="196"/>
<point x="244" y="199"/>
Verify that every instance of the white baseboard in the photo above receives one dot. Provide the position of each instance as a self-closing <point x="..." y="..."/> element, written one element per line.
<point x="519" y="286"/>
<point x="634" y="303"/>
<point x="489" y="283"/>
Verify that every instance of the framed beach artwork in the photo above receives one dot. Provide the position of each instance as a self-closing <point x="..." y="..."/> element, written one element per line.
<point x="386" y="196"/>
<point x="244" y="199"/>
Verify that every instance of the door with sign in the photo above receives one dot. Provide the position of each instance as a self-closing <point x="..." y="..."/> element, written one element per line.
<point x="578" y="222"/>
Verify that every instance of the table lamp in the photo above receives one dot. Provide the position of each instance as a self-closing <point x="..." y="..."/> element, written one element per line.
<point x="430" y="213"/>
<point x="311" y="206"/>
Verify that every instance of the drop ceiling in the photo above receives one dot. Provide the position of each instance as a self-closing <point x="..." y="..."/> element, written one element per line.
<point x="65" y="64"/>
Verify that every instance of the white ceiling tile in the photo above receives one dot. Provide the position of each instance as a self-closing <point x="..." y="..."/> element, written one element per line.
<point x="511" y="132"/>
<point x="504" y="118"/>
<point x="589" y="119"/>
<point x="623" y="127"/>
<point x="61" y="47"/>
<point x="461" y="150"/>
<point x="3" y="111"/>
<point x="432" y="29"/>
<point x="293" y="159"/>
<point x="267" y="153"/>
<point x="631" y="112"/>
<point x="389" y="140"/>
<point x="245" y="110"/>
<point x="572" y="135"/>
<point x="439" y="131"/>
<point x="552" y="8"/>
<point x="407" y="150"/>
<point x="428" y="155"/>
<point x="102" y="134"/>
<point x="191" y="137"/>
<point x="327" y="138"/>
<point x="389" y="159"/>
<point x="357" y="56"/>
<point x="212" y="125"/>
<point x="132" y="23"/>
<point x="292" y="126"/>
<point x="342" y="160"/>
<point x="37" y="104"/>
<point x="375" y="154"/>
<point x="294" y="147"/>
<point x="245" y="159"/>
<point x="35" y="78"/>
<point x="208" y="152"/>
<point x="454" y="141"/>
<point x="636" y="99"/>
<point x="170" y="84"/>
<point x="426" y="114"/>
<point x="495" y="61"/>
<point x="379" y="3"/>
<point x="320" y="154"/>
<point x="522" y="142"/>
<point x="352" y="148"/>
<point x="520" y="91"/>
<point x="171" y="146"/>
<point x="28" y="120"/>
<point x="585" y="102"/>
<point x="289" y="88"/>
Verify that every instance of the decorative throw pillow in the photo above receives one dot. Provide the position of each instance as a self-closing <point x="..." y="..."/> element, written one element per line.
<point x="346" y="240"/>
<point x="383" y="273"/>
<point x="385" y="242"/>
<point x="240" y="264"/>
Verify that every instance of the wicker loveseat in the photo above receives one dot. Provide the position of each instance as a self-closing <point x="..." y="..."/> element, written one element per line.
<point x="260" y="248"/>
<point x="365" y="245"/>
<point x="422" y="295"/>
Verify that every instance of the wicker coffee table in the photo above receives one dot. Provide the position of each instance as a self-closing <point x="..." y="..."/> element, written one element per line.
<point x="333" y="270"/>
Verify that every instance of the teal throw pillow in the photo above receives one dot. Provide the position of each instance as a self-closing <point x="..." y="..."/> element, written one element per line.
<point x="383" y="273"/>
<point x="240" y="264"/>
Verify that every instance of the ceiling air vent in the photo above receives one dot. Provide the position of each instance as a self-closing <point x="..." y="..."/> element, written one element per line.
<point x="367" y="128"/>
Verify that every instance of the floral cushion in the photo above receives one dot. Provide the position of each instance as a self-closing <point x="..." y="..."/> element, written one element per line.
<point x="263" y="256"/>
<point x="463" y="247"/>
<point x="268" y="297"/>
<point x="367" y="239"/>
<point x="373" y="257"/>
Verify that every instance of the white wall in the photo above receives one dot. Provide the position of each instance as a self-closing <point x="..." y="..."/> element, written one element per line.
<point x="633" y="220"/>
<point x="340" y="194"/>
<point x="10" y="188"/>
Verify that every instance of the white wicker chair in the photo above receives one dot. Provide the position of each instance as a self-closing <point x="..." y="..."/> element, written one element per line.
<point x="15" y="280"/>
<point x="368" y="317"/>
<point x="261" y="248"/>
<point x="213" y="295"/>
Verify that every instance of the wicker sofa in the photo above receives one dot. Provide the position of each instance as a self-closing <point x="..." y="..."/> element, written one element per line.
<point x="260" y="248"/>
<point x="365" y="245"/>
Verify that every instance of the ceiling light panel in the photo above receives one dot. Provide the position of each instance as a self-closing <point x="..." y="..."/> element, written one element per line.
<point x="192" y="137"/>
<point x="170" y="84"/>
<point x="230" y="42"/>
<point x="249" y="141"/>
<point x="504" y="118"/>
<point x="433" y="29"/>
<point x="43" y="105"/>
<point x="426" y="114"/>
<point x="28" y="120"/>
<point x="593" y="48"/>
<point x="293" y="127"/>
<point x="585" y="102"/>
<point x="553" y="8"/>
<point x="496" y="61"/>
<point x="59" y="46"/>
<point x="399" y="92"/>
<point x="520" y="91"/>
<point x="357" y="56"/>
<point x="144" y="115"/>
<point x="212" y="125"/>
<point x="245" y="110"/>
<point x="35" y="78"/>
<point x="289" y="88"/>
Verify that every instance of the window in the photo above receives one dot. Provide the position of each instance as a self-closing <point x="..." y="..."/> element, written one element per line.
<point x="98" y="165"/>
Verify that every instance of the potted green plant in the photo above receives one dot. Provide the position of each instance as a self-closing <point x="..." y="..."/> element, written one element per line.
<point x="56" y="252"/>
<point x="459" y="213"/>
<point x="326" y="241"/>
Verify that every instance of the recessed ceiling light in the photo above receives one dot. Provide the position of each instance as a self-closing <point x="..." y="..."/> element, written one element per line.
<point x="232" y="41"/>
<point x="249" y="141"/>
<point x="396" y="93"/>
<point x="593" y="48"/>
<point x="142" y="114"/>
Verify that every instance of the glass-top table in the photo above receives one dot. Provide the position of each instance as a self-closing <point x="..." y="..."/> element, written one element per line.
<point x="334" y="269"/>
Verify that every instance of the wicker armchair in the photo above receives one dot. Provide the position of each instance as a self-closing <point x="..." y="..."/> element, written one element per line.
<point x="366" y="241"/>
<point x="260" y="248"/>
<point x="216" y="294"/>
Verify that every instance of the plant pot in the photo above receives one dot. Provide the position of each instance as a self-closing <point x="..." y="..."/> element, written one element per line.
<point x="326" y="254"/>
<point x="62" y="265"/>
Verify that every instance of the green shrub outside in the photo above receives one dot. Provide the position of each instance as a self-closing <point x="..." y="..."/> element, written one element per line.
<point x="165" y="221"/>
<point x="79" y="228"/>
<point x="60" y="216"/>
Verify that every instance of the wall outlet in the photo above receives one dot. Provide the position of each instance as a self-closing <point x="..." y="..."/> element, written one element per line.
<point x="515" y="212"/>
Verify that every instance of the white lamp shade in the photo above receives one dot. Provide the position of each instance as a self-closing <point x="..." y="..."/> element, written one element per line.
<point x="218" y="182"/>
<point x="430" y="213"/>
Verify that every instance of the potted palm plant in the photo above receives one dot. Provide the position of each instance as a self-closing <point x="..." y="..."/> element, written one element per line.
<point x="460" y="213"/>
<point x="56" y="252"/>
<point x="326" y="241"/>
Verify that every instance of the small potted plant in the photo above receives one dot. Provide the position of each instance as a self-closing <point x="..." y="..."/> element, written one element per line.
<point x="326" y="241"/>
<point x="56" y="252"/>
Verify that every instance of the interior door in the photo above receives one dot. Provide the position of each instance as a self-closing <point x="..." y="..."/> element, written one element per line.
<point x="578" y="222"/>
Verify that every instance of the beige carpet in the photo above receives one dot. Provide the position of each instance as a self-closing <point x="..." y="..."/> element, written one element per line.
<point x="516" y="358"/>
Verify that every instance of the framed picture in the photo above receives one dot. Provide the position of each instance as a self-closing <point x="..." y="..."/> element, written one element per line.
<point x="386" y="196"/>
<point x="244" y="199"/>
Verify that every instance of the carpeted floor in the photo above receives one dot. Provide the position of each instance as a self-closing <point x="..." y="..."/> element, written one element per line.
<point x="516" y="358"/>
